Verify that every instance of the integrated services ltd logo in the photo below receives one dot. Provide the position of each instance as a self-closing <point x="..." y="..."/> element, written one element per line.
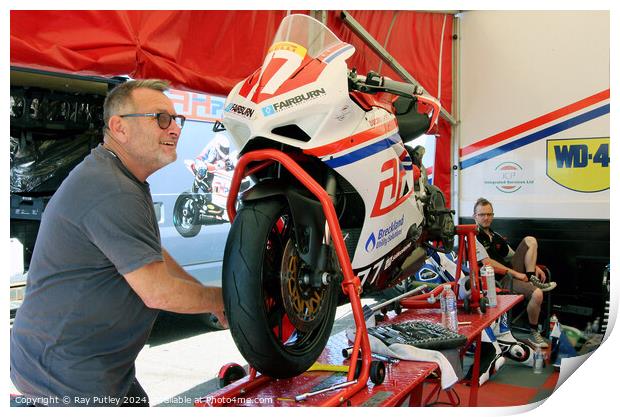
<point x="509" y="177"/>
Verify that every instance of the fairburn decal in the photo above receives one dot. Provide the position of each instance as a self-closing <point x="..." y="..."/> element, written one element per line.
<point x="240" y="110"/>
<point x="292" y="102"/>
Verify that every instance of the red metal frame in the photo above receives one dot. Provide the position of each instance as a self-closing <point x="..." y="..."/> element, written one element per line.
<point x="467" y="239"/>
<point x="466" y="233"/>
<point x="350" y="285"/>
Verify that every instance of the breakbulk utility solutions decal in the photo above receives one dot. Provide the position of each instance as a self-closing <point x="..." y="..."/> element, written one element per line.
<point x="292" y="102"/>
<point x="385" y="235"/>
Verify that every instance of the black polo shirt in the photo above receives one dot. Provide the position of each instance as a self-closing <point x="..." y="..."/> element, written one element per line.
<point x="496" y="246"/>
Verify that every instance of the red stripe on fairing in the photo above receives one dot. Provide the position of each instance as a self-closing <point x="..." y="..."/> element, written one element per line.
<point x="352" y="141"/>
<point x="539" y="121"/>
<point x="249" y="83"/>
<point x="309" y="73"/>
<point x="331" y="50"/>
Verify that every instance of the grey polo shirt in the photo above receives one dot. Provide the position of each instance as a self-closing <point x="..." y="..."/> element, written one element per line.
<point x="81" y="326"/>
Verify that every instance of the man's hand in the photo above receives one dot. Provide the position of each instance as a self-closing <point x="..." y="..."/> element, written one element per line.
<point x="221" y="318"/>
<point x="540" y="274"/>
<point x="519" y="275"/>
<point x="218" y="307"/>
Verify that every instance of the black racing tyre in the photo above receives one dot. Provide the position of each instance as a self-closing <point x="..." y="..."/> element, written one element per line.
<point x="186" y="215"/>
<point x="279" y="326"/>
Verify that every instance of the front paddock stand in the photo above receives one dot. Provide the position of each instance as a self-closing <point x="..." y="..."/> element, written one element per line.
<point x="467" y="250"/>
<point x="230" y="373"/>
<point x="351" y="284"/>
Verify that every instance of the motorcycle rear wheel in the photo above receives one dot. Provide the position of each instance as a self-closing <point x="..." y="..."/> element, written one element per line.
<point x="270" y="335"/>
<point x="185" y="216"/>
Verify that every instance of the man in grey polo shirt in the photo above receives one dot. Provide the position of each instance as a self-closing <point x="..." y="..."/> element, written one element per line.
<point x="99" y="275"/>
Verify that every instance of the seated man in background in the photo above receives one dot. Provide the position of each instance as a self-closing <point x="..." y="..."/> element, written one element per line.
<point x="524" y="277"/>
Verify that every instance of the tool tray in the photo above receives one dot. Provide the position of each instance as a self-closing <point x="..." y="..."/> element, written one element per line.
<point x="419" y="333"/>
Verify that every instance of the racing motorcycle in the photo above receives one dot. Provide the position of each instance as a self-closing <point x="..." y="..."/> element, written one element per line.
<point x="281" y="274"/>
<point x="205" y="203"/>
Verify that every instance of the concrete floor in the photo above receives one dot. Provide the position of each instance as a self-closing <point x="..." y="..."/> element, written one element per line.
<point x="182" y="358"/>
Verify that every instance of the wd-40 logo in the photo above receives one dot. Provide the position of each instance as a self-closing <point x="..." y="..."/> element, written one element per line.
<point x="579" y="164"/>
<point x="240" y="110"/>
<point x="292" y="102"/>
<point x="385" y="235"/>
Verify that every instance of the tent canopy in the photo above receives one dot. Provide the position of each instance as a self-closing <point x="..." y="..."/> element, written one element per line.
<point x="210" y="51"/>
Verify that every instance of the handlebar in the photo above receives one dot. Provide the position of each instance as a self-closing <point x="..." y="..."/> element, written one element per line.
<point x="400" y="88"/>
<point x="374" y="83"/>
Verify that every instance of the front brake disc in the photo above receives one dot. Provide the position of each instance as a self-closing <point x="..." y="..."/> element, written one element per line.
<point x="303" y="304"/>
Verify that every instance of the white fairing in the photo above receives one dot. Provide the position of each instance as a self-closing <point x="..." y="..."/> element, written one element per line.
<point x="382" y="179"/>
<point x="328" y="115"/>
<point x="362" y="146"/>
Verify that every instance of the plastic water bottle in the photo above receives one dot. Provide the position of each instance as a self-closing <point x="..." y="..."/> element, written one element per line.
<point x="449" y="318"/>
<point x="587" y="333"/>
<point x="538" y="360"/>
<point x="488" y="275"/>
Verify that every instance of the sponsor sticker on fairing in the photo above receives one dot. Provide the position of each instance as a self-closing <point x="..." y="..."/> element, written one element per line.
<point x="289" y="103"/>
<point x="385" y="235"/>
<point x="240" y="110"/>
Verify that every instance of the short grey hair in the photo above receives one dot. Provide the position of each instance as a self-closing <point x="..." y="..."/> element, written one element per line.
<point x="482" y="202"/>
<point x="120" y="95"/>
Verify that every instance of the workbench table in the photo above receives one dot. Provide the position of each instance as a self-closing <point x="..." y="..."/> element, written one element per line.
<point x="403" y="380"/>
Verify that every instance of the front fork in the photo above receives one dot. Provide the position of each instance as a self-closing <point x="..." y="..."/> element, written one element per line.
<point x="323" y="275"/>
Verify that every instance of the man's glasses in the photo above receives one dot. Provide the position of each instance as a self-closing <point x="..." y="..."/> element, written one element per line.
<point x="163" y="119"/>
<point x="485" y="214"/>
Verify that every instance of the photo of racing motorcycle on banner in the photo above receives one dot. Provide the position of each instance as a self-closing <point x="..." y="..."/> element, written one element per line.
<point x="306" y="125"/>
<point x="205" y="202"/>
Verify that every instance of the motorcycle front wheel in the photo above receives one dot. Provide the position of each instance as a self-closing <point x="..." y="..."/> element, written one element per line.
<point x="280" y="325"/>
<point x="186" y="215"/>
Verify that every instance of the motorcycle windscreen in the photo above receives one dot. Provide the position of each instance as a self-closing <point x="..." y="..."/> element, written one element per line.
<point x="301" y="50"/>
<point x="305" y="35"/>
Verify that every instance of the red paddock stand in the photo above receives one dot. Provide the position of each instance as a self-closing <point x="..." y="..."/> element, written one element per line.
<point x="230" y="373"/>
<point x="351" y="286"/>
<point x="467" y="246"/>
